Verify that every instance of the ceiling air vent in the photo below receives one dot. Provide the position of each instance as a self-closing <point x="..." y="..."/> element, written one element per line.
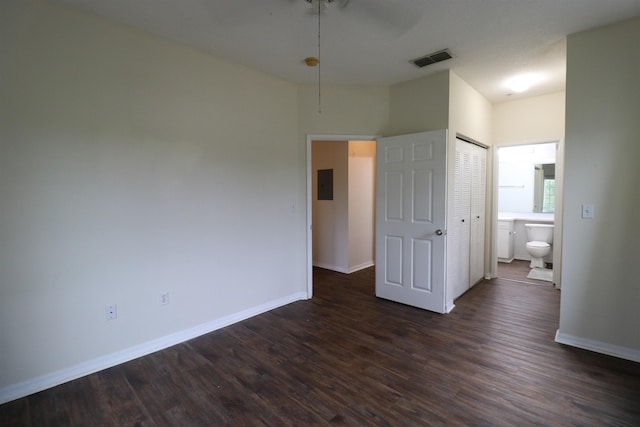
<point x="439" y="56"/>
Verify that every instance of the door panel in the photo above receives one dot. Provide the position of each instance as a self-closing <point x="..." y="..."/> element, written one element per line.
<point x="394" y="201"/>
<point x="422" y="184"/>
<point x="393" y="260"/>
<point x="410" y="219"/>
<point x="422" y="250"/>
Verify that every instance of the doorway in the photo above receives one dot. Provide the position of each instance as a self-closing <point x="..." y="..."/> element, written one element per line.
<point x="339" y="203"/>
<point x="528" y="189"/>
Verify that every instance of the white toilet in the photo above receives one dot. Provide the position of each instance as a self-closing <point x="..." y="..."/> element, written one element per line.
<point x="539" y="240"/>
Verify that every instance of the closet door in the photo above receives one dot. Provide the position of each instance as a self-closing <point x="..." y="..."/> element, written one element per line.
<point x="478" y="196"/>
<point x="459" y="230"/>
<point x="466" y="232"/>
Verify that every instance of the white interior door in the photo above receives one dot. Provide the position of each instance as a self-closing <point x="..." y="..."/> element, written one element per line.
<point x="410" y="219"/>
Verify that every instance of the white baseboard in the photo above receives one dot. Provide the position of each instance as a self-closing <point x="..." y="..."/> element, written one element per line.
<point x="598" y="346"/>
<point x="361" y="266"/>
<point x="341" y="269"/>
<point x="53" y="379"/>
<point x="332" y="267"/>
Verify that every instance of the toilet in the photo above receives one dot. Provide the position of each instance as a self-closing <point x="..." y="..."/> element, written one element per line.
<point x="539" y="239"/>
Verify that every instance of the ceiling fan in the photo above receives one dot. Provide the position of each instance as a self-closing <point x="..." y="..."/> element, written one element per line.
<point x="321" y="5"/>
<point x="395" y="17"/>
<point x="390" y="16"/>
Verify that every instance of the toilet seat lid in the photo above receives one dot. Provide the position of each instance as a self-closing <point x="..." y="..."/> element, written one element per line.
<point x="536" y="244"/>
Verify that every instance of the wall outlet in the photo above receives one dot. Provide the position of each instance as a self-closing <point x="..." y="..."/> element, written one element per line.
<point x="164" y="298"/>
<point x="111" y="312"/>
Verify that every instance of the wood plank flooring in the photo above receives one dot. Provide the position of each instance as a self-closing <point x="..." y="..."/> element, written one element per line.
<point x="517" y="270"/>
<point x="348" y="358"/>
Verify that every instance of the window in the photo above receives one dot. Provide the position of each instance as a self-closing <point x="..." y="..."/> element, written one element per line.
<point x="549" y="193"/>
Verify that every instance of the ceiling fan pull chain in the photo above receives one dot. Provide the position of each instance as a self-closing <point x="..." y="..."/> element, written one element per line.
<point x="319" y="61"/>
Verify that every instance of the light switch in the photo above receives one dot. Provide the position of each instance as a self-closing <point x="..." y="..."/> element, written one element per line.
<point x="587" y="211"/>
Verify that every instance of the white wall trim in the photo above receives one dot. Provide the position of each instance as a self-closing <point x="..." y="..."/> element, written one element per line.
<point x="449" y="308"/>
<point x="331" y="267"/>
<point x="598" y="346"/>
<point x="341" y="269"/>
<point x="53" y="379"/>
<point x="361" y="266"/>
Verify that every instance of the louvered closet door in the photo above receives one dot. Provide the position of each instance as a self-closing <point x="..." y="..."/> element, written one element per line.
<point x="477" y="231"/>
<point x="458" y="230"/>
<point x="465" y="262"/>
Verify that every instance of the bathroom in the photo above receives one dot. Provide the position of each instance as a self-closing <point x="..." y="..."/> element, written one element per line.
<point x="526" y="208"/>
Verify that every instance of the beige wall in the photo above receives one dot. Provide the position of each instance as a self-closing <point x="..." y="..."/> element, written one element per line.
<point x="536" y="119"/>
<point x="129" y="167"/>
<point x="470" y="114"/>
<point x="362" y="169"/>
<point x="601" y="286"/>
<point x="419" y="105"/>
<point x="346" y="110"/>
<point x="331" y="217"/>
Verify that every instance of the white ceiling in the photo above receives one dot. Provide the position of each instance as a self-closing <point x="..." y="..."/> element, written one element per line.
<point x="372" y="41"/>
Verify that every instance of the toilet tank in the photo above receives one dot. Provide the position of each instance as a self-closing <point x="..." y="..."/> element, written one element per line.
<point x="539" y="232"/>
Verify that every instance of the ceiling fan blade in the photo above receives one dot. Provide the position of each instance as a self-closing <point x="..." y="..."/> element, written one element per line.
<point x="232" y="12"/>
<point x="395" y="17"/>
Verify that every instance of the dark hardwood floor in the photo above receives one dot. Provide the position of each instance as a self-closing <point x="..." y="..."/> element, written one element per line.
<point x="517" y="270"/>
<point x="348" y="358"/>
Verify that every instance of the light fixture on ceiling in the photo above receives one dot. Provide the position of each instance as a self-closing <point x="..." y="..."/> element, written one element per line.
<point x="311" y="61"/>
<point x="523" y="82"/>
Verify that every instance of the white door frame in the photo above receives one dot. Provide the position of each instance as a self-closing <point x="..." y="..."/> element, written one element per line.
<point x="310" y="139"/>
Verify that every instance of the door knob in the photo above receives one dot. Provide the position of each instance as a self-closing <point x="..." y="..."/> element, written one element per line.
<point x="439" y="232"/>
